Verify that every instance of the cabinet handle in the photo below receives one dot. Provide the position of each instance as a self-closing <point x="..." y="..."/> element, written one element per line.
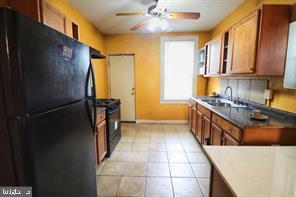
<point x="251" y="69"/>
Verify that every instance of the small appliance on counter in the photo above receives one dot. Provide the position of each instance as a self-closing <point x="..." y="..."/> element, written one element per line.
<point x="113" y="122"/>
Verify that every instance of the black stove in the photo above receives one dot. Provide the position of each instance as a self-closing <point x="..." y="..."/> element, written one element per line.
<point x="108" y="103"/>
<point x="113" y="122"/>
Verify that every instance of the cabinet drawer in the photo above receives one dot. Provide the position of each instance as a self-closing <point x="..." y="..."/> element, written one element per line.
<point x="101" y="117"/>
<point x="234" y="131"/>
<point x="192" y="103"/>
<point x="205" y="111"/>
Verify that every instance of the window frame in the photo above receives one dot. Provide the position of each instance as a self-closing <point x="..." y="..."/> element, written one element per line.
<point x="164" y="39"/>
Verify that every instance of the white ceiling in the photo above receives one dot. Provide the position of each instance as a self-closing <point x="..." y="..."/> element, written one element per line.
<point x="102" y="13"/>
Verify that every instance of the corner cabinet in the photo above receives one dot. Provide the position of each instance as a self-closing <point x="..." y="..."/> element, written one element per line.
<point x="244" y="44"/>
<point x="213" y="53"/>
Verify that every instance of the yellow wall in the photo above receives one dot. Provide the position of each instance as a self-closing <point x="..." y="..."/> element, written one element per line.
<point x="146" y="48"/>
<point x="283" y="98"/>
<point x="89" y="35"/>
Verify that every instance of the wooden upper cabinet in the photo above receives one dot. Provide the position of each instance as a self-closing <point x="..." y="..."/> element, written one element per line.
<point x="244" y="44"/>
<point x="58" y="21"/>
<point x="226" y="53"/>
<point x="42" y="11"/>
<point x="30" y="8"/>
<point x="273" y="40"/>
<point x="55" y="19"/>
<point x="213" y="54"/>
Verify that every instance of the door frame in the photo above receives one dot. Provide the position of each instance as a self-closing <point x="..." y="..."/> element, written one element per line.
<point x="135" y="83"/>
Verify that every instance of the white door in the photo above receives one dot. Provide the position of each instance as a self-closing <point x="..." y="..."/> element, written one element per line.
<point x="122" y="84"/>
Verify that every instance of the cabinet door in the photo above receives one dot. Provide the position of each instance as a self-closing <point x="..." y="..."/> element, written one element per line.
<point x="198" y="130"/>
<point x="101" y="141"/>
<point x="193" y="119"/>
<point x="206" y="125"/>
<point x="213" y="56"/>
<point x="228" y="140"/>
<point x="244" y="44"/>
<point x="30" y="8"/>
<point x="273" y="40"/>
<point x="53" y="18"/>
<point x="189" y="115"/>
<point x="216" y="135"/>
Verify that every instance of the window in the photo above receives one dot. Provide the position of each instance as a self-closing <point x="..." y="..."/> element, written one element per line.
<point x="178" y="60"/>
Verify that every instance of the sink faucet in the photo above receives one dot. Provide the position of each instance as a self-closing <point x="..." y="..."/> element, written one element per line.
<point x="229" y="87"/>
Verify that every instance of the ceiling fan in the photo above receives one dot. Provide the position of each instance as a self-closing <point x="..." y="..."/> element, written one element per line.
<point x="158" y="13"/>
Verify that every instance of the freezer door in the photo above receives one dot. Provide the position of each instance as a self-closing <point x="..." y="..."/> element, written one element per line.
<point x="58" y="153"/>
<point x="48" y="69"/>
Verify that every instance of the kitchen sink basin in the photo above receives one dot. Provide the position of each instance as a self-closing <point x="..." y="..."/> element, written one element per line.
<point x="222" y="103"/>
<point x="212" y="100"/>
<point x="219" y="104"/>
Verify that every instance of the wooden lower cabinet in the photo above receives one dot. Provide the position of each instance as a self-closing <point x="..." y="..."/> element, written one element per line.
<point x="229" y="141"/>
<point x="206" y="127"/>
<point x="213" y="129"/>
<point x="189" y="115"/>
<point x="216" y="135"/>
<point x="100" y="138"/>
<point x="218" y="187"/>
<point x="193" y="119"/>
<point x="198" y="130"/>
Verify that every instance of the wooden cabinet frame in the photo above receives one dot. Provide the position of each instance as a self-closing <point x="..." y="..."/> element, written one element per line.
<point x="244" y="44"/>
<point x="213" y="56"/>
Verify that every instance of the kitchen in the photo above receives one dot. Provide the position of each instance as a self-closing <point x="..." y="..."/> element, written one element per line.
<point x="170" y="136"/>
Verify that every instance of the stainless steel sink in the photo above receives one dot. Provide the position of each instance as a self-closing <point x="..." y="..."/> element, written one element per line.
<point x="212" y="100"/>
<point x="222" y="103"/>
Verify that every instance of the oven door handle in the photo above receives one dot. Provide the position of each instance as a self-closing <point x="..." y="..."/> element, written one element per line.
<point x="114" y="110"/>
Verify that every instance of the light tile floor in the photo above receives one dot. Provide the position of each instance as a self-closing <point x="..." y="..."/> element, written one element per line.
<point x="155" y="160"/>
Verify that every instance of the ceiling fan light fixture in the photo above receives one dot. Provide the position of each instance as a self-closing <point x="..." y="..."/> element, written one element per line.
<point x="158" y="23"/>
<point x="154" y="24"/>
<point x="164" y="25"/>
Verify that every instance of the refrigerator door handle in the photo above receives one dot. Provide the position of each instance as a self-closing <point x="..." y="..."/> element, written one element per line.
<point x="93" y="97"/>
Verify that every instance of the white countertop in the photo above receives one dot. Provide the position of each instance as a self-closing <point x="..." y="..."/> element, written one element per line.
<point x="256" y="171"/>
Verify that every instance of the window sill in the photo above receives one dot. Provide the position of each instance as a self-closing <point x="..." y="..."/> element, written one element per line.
<point x="162" y="101"/>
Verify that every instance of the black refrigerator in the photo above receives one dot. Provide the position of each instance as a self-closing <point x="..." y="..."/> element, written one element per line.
<point x="47" y="116"/>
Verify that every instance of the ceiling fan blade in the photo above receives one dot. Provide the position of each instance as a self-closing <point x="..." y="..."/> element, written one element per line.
<point x="140" y="25"/>
<point x="183" y="15"/>
<point x="161" y="5"/>
<point x="131" y="14"/>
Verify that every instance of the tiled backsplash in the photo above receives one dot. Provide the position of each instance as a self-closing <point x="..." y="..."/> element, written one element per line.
<point x="248" y="89"/>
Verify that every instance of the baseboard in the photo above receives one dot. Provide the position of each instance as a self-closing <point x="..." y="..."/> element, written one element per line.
<point x="162" y="121"/>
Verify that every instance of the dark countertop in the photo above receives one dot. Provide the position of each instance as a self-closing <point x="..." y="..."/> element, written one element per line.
<point x="100" y="109"/>
<point x="240" y="116"/>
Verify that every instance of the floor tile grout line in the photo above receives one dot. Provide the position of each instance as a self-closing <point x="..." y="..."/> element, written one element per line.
<point x="171" y="179"/>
